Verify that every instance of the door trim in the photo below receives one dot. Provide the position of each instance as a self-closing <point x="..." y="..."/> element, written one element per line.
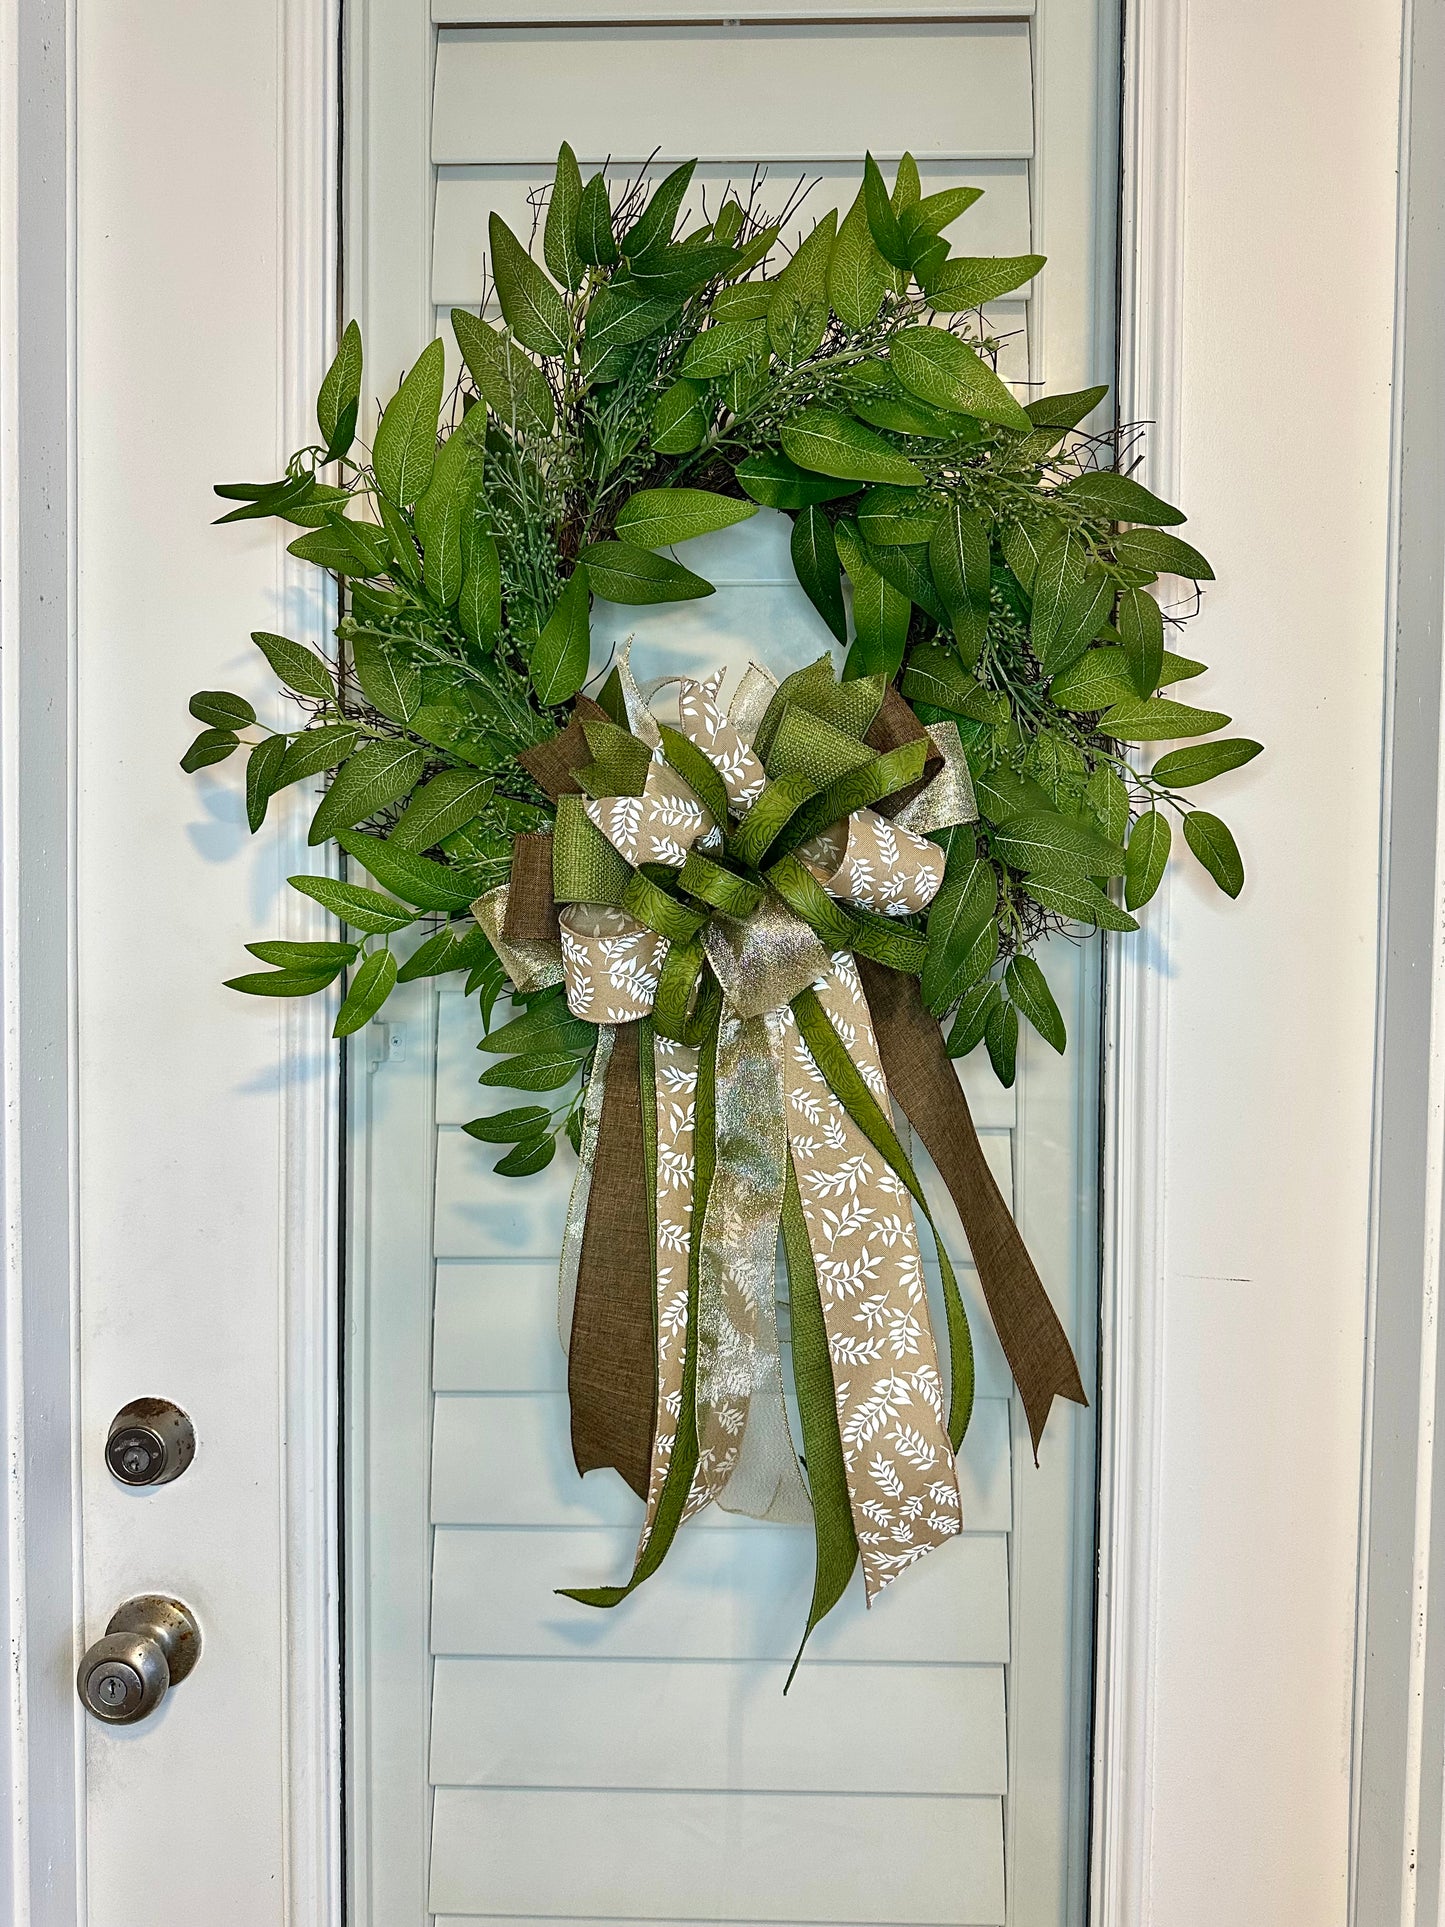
<point x="1136" y="991"/>
<point x="42" y="1735"/>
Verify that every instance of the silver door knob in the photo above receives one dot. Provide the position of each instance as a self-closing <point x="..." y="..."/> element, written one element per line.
<point x="150" y="1645"/>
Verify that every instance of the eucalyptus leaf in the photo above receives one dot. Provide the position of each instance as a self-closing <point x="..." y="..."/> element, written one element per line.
<point x="828" y="443"/>
<point x="857" y="276"/>
<point x="339" y="396"/>
<point x="1214" y="845"/>
<point x="655" y="517"/>
<point x="531" y="305"/>
<point x="1028" y="991"/>
<point x="1140" y="623"/>
<point x="1118" y="497"/>
<point x="222" y="710"/>
<point x="304" y="956"/>
<point x="1047" y="842"/>
<point x="975" y="1007"/>
<point x="315" y="750"/>
<point x="680" y="419"/>
<point x="415" y="879"/>
<point x="375" y="775"/>
<point x="1153" y="549"/>
<point x="559" y="234"/>
<point x="211" y="746"/>
<point x="947" y="373"/>
<point x="353" y="903"/>
<point x="507" y="1127"/>
<point x="1001" y="1039"/>
<point x="298" y="667"/>
<point x="560" y="656"/>
<point x="1159" y="720"/>
<point x="284" y="983"/>
<point x="404" y="450"/>
<point x="1148" y="853"/>
<point x="263" y="778"/>
<point x="968" y="281"/>
<point x="1200" y="762"/>
<point x="595" y="241"/>
<point x="370" y="987"/>
<point x="452" y="799"/>
<point x="815" y="562"/>
<point x="623" y="572"/>
<point x="526" y="1157"/>
<point x="779" y="483"/>
<point x="391" y="686"/>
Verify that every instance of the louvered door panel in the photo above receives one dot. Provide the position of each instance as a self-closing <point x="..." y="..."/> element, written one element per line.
<point x="556" y="1764"/>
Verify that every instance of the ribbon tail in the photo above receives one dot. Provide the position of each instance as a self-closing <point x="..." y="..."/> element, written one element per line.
<point x="921" y="1075"/>
<point x="834" y="1540"/>
<point x="611" y="1362"/>
<point x="681" y="1464"/>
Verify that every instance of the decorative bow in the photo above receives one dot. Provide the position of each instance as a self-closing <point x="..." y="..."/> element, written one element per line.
<point x="725" y="896"/>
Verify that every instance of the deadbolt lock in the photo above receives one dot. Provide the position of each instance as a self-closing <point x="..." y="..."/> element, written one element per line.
<point x="151" y="1442"/>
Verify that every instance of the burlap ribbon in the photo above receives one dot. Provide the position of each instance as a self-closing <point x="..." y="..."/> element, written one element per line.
<point x="719" y="884"/>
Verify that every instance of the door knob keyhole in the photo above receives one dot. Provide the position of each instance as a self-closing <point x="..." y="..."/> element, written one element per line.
<point x="150" y="1645"/>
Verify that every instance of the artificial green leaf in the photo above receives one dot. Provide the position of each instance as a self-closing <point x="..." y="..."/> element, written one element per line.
<point x="1003" y="793"/>
<point x="531" y="1154"/>
<point x="958" y="554"/>
<point x="670" y="274"/>
<point x="315" y="509"/>
<point x="618" y="316"/>
<point x="966" y="901"/>
<point x="655" y="517"/>
<point x="779" y="483"/>
<point x="299" y="668"/>
<point x="969" y="280"/>
<point x="905" y="565"/>
<point x="479" y="606"/>
<point x="832" y="444"/>
<point x="1153" y="549"/>
<point x="904" y="414"/>
<point x="880" y="611"/>
<point x="316" y="750"/>
<point x="559" y="658"/>
<point x="344" y="547"/>
<point x="304" y="956"/>
<point x="263" y="778"/>
<point x="340" y="394"/>
<point x="292" y="492"/>
<point x="1071" y="602"/>
<point x="405" y="557"/>
<point x="377" y="774"/>
<point x="451" y="800"/>
<point x="1140" y="623"/>
<point x="1064" y="411"/>
<point x="815" y="561"/>
<point x="975" y="1007"/>
<point x="1119" y="498"/>
<point x="559" y="235"/>
<point x="531" y="306"/>
<point x="512" y="385"/>
<point x="1029" y="992"/>
<point x="935" y="676"/>
<point x="1107" y="795"/>
<point x="1045" y="841"/>
<point x="547" y="1025"/>
<point x="947" y="373"/>
<point x="405" y="447"/>
<point x="623" y="572"/>
<point x="1148" y="853"/>
<point x="284" y="983"/>
<point x="727" y="344"/>
<point x="889" y="515"/>
<point x="211" y="746"/>
<point x="595" y="242"/>
<point x="1158" y="720"/>
<point x="679" y="421"/>
<point x="1179" y="669"/>
<point x="448" y="501"/>
<point x="1095" y="680"/>
<point x="507" y="1127"/>
<point x="1023" y="544"/>
<point x="857" y="276"/>
<point x="798" y="315"/>
<point x="1081" y="900"/>
<point x="415" y="879"/>
<point x="653" y="227"/>
<point x="451" y="948"/>
<point x="391" y="686"/>
<point x="363" y="909"/>
<point x="370" y="988"/>
<point x="1001" y="1038"/>
<point x="1212" y="842"/>
<point x="937" y="211"/>
<point x="221" y="709"/>
<point x="1203" y="761"/>
<point x="888" y="237"/>
<point x="538" y="1071"/>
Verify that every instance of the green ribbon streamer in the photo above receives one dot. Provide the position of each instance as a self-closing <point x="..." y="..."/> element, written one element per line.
<point x="805" y="745"/>
<point x="835" y="1543"/>
<point x="848" y="706"/>
<point x="585" y="866"/>
<point x="685" y="1005"/>
<point x="721" y="889"/>
<point x="860" y="789"/>
<point x="843" y="928"/>
<point x="771" y="809"/>
<point x="682" y="1465"/>
<point x="846" y="1082"/>
<point x="697" y="770"/>
<point x="651" y="904"/>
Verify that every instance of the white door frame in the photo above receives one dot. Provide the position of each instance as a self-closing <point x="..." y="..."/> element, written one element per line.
<point x="1144" y="1461"/>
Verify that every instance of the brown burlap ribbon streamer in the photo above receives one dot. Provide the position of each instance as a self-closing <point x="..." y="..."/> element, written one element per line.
<point x="921" y="1076"/>
<point x="531" y="905"/>
<point x="552" y="765"/>
<point x="611" y="1364"/>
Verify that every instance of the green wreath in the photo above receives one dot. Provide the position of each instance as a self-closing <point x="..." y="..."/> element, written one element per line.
<point x="738" y="1004"/>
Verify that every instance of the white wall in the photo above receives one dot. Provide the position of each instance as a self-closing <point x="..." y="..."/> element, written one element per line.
<point x="1287" y="291"/>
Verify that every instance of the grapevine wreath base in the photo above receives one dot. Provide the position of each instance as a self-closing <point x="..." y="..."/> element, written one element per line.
<point x="732" y="924"/>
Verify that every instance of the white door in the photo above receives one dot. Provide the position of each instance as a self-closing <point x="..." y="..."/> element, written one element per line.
<point x="512" y="1755"/>
<point x="165" y="315"/>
